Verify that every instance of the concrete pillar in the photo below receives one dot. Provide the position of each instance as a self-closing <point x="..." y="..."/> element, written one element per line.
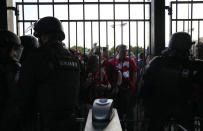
<point x="157" y="26"/>
<point x="10" y="16"/>
<point x="3" y="15"/>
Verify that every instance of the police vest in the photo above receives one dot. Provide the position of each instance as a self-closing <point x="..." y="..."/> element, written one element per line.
<point x="169" y="79"/>
<point x="58" y="85"/>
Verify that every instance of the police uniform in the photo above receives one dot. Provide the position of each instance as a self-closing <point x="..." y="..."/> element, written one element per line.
<point x="9" y="75"/>
<point x="198" y="89"/>
<point x="29" y="43"/>
<point x="167" y="87"/>
<point x="50" y="80"/>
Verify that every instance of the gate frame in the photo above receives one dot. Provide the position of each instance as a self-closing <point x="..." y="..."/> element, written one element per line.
<point x="189" y="19"/>
<point x="85" y="20"/>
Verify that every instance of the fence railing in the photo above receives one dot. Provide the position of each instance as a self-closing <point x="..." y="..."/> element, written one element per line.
<point x="106" y="23"/>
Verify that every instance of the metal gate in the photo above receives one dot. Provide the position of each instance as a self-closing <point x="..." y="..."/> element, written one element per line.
<point x="129" y="24"/>
<point x="130" y="28"/>
<point x="186" y="16"/>
<point x="107" y="23"/>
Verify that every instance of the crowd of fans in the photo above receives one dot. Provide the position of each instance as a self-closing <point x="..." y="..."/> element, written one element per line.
<point x="54" y="85"/>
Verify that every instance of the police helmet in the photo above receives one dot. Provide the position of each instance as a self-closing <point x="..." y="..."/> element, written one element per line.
<point x="29" y="41"/>
<point x="8" y="41"/>
<point x="49" y="25"/>
<point x="180" y="41"/>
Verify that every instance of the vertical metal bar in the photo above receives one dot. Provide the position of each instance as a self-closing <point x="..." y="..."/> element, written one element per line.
<point x="31" y="28"/>
<point x="176" y="15"/>
<point x="137" y="61"/>
<point x="144" y="30"/>
<point x="183" y="26"/>
<point x="99" y="25"/>
<point x="129" y="32"/>
<point x="137" y="38"/>
<point x="17" y="18"/>
<point x="171" y="17"/>
<point x="198" y="39"/>
<point x="191" y="16"/>
<point x="121" y="32"/>
<point x="188" y="29"/>
<point x="84" y="27"/>
<point x="114" y="29"/>
<point x="68" y="24"/>
<point x="99" y="41"/>
<point x="107" y="44"/>
<point x="23" y="17"/>
<point x="83" y="5"/>
<point x="91" y="36"/>
<point x="37" y="9"/>
<point x="53" y="8"/>
<point x="129" y="44"/>
<point x="150" y="51"/>
<point x="198" y="30"/>
<point x="76" y="24"/>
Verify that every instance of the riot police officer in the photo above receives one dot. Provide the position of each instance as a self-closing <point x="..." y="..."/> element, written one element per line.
<point x="167" y="84"/>
<point x="50" y="79"/>
<point x="10" y="52"/>
<point x="29" y="44"/>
